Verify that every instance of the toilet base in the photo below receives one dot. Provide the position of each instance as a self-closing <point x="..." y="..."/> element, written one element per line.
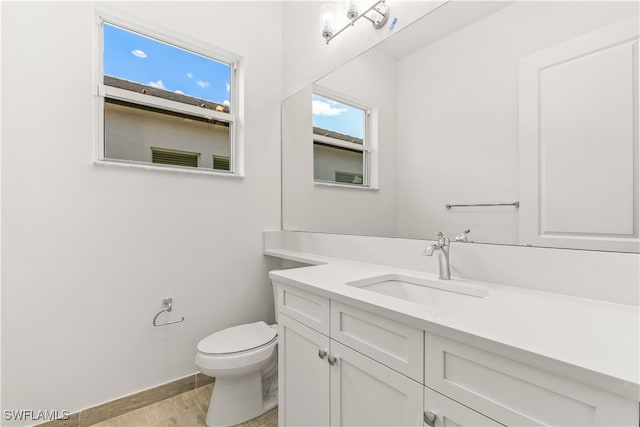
<point x="236" y="400"/>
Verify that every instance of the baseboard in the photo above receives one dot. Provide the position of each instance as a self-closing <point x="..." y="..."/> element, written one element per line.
<point x="114" y="408"/>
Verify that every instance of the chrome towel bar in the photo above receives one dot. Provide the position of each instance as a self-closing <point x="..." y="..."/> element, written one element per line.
<point x="168" y="306"/>
<point x="516" y="204"/>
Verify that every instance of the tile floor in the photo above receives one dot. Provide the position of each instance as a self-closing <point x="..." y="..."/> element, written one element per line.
<point x="188" y="409"/>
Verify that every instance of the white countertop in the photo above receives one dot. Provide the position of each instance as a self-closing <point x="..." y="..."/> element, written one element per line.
<point x="592" y="341"/>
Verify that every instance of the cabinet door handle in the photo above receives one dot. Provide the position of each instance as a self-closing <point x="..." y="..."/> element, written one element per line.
<point x="332" y="360"/>
<point x="430" y="418"/>
<point x="322" y="353"/>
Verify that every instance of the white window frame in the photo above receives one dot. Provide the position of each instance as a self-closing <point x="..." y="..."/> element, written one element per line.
<point x="235" y="116"/>
<point x="369" y="146"/>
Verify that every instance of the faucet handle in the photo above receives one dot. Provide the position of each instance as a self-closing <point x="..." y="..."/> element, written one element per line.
<point x="463" y="236"/>
<point x="442" y="239"/>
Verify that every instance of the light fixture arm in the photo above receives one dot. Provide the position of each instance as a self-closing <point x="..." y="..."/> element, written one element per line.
<point x="383" y="11"/>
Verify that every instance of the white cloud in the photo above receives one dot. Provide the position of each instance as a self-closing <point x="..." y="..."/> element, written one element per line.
<point x="226" y="102"/>
<point x="203" y="84"/>
<point x="138" y="53"/>
<point x="178" y="91"/>
<point x="157" y="85"/>
<point x="189" y="75"/>
<point x="324" y="109"/>
<point x="228" y="87"/>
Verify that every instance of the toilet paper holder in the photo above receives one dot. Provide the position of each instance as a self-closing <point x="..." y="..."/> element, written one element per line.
<point x="167" y="302"/>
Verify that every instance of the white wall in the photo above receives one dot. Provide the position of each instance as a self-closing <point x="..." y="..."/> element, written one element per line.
<point x="306" y="55"/>
<point x="307" y="205"/>
<point x="84" y="269"/>
<point x="458" y="116"/>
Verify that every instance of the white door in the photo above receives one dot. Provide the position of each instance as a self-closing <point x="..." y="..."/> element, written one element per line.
<point x="440" y="411"/>
<point x="367" y="393"/>
<point x="303" y="380"/>
<point x="579" y="143"/>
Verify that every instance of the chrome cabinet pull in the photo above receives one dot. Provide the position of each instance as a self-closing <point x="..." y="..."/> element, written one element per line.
<point x="430" y="418"/>
<point x="332" y="360"/>
<point x="322" y="353"/>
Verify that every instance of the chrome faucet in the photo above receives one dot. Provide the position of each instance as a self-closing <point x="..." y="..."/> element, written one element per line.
<point x="442" y="247"/>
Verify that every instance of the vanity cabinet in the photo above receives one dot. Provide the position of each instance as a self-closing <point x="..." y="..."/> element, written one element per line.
<point x="341" y="365"/>
<point x="398" y="346"/>
<point x="515" y="393"/>
<point x="303" y="376"/>
<point x="325" y="382"/>
<point x="440" y="411"/>
<point x="367" y="393"/>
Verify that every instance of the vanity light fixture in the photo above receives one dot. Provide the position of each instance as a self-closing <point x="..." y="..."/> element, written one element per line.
<point x="377" y="14"/>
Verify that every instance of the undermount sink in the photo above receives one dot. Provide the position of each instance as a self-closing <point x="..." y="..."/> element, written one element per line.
<point x="434" y="293"/>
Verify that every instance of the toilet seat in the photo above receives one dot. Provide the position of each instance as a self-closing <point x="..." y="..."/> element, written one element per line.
<point x="237" y="347"/>
<point x="238" y="339"/>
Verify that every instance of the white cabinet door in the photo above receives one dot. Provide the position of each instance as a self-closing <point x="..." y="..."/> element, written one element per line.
<point x="367" y="393"/>
<point x="303" y="380"/>
<point x="441" y="411"/>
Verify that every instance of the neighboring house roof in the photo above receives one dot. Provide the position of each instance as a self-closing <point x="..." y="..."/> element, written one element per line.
<point x="337" y="135"/>
<point x="165" y="94"/>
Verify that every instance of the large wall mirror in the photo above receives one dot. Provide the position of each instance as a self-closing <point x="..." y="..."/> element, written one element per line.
<point x="529" y="105"/>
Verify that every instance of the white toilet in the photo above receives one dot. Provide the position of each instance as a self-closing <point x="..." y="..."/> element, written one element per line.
<point x="244" y="361"/>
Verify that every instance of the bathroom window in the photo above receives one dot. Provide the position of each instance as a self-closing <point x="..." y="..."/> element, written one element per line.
<point x="166" y="102"/>
<point x="341" y="140"/>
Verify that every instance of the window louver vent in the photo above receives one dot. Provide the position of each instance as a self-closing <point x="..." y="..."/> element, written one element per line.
<point x="174" y="158"/>
<point x="349" y="178"/>
<point x="221" y="163"/>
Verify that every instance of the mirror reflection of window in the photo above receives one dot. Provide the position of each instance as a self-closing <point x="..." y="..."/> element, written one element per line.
<point x="340" y="143"/>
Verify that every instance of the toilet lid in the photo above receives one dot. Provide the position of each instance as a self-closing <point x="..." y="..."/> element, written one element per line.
<point x="237" y="338"/>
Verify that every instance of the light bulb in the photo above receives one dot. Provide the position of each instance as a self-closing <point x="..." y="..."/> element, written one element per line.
<point x="353" y="9"/>
<point x="328" y="18"/>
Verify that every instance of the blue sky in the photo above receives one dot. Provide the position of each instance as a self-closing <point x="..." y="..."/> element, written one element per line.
<point x="139" y="59"/>
<point x="338" y="117"/>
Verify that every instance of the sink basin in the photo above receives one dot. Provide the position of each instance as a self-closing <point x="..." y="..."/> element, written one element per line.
<point x="434" y="293"/>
